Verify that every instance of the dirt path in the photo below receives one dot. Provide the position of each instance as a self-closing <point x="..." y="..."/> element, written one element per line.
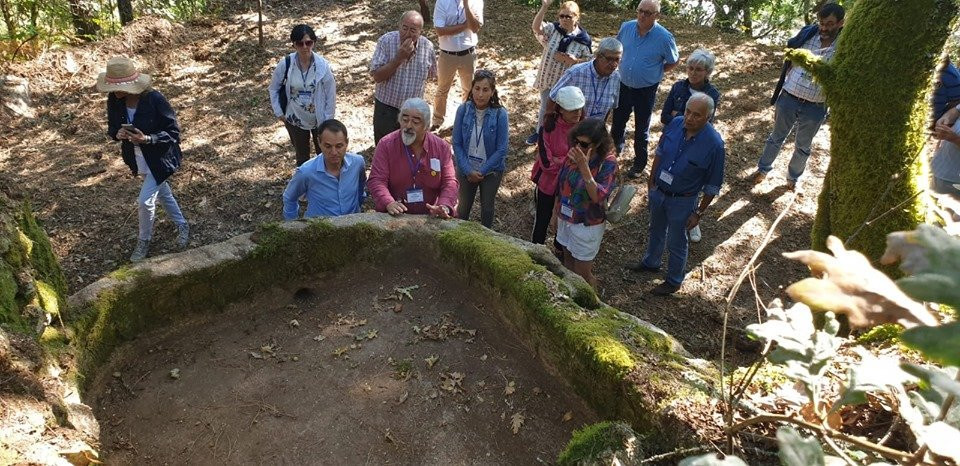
<point x="237" y="157"/>
<point x="336" y="374"/>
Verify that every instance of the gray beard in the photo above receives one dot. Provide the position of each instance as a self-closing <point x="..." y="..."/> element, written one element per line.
<point x="408" y="138"/>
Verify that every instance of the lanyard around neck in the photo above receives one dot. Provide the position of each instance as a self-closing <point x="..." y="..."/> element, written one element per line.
<point x="414" y="169"/>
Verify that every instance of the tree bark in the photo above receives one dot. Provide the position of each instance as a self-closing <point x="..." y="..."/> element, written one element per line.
<point x="8" y="19"/>
<point x="81" y="15"/>
<point x="877" y="88"/>
<point x="125" y="8"/>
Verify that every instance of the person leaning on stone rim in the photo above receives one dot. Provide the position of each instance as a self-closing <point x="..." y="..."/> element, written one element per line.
<point x="412" y="170"/>
<point x="402" y="63"/>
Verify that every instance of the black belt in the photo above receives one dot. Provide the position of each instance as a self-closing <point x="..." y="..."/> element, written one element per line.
<point x="460" y="53"/>
<point x="669" y="194"/>
<point x="802" y="100"/>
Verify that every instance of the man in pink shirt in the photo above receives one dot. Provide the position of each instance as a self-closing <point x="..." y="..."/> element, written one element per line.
<point x="412" y="170"/>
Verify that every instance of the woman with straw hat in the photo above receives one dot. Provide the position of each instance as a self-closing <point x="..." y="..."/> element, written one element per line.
<point x="144" y="123"/>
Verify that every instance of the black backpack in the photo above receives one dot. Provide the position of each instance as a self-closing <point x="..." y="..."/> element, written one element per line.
<point x="283" y="85"/>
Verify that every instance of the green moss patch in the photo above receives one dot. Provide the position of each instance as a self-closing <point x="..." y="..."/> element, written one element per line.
<point x="599" y="443"/>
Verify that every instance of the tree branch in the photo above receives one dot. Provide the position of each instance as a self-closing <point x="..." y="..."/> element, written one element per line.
<point x="886" y="452"/>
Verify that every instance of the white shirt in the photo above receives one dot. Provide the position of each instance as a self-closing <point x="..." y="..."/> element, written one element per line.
<point x="451" y="13"/>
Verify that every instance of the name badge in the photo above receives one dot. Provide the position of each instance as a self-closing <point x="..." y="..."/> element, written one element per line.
<point x="435" y="164"/>
<point x="414" y="195"/>
<point x="666" y="177"/>
<point x="566" y="211"/>
<point x="304" y="97"/>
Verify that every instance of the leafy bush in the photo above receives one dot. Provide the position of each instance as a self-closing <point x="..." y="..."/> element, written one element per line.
<point x="922" y="395"/>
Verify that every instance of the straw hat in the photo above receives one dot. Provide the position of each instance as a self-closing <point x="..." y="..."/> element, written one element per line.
<point x="123" y="75"/>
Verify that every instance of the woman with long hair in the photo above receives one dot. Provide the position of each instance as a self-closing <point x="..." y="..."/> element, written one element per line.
<point x="480" y="137"/>
<point x="585" y="183"/>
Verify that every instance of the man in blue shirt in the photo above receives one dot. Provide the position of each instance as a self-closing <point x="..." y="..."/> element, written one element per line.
<point x="332" y="181"/>
<point x="649" y="51"/>
<point x="689" y="159"/>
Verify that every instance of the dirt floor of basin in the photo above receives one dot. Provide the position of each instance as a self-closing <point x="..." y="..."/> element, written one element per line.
<point x="398" y="363"/>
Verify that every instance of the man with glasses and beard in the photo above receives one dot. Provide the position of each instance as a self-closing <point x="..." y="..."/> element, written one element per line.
<point x="412" y="170"/>
<point x="649" y="51"/>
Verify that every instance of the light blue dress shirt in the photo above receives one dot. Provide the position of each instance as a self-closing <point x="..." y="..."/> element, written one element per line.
<point x="327" y="195"/>
<point x="644" y="57"/>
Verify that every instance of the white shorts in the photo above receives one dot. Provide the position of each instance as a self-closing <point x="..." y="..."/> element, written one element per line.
<point x="581" y="240"/>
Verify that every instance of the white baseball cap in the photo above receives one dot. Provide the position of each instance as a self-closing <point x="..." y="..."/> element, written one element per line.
<point x="570" y="98"/>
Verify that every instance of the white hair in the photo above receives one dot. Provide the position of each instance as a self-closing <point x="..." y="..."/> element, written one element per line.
<point x="704" y="58"/>
<point x="702" y="96"/>
<point x="418" y="104"/>
<point x="609" y="44"/>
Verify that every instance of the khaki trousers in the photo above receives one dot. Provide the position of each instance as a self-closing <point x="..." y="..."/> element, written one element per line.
<point x="447" y="66"/>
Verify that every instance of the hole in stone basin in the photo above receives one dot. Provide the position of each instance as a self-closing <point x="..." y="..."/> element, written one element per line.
<point x="262" y="382"/>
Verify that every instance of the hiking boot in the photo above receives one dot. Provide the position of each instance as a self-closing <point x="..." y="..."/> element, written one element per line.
<point x="634" y="174"/>
<point x="664" y="289"/>
<point x="757" y="177"/>
<point x="532" y="139"/>
<point x="183" y="235"/>
<point x="141" y="251"/>
<point x="793" y="185"/>
<point x="695" y="235"/>
<point x="639" y="266"/>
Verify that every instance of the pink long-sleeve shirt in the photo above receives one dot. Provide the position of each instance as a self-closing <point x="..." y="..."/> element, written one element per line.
<point x="557" y="146"/>
<point x="391" y="174"/>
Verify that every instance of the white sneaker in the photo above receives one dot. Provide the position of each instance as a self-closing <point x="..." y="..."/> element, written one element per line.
<point x="695" y="235"/>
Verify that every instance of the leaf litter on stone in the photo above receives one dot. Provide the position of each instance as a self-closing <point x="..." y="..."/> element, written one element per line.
<point x="516" y="422"/>
<point x="510" y="388"/>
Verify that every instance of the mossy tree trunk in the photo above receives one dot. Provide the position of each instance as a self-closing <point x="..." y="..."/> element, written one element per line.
<point x="876" y="87"/>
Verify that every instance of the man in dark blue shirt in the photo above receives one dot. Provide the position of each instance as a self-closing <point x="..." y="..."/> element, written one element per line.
<point x="689" y="159"/>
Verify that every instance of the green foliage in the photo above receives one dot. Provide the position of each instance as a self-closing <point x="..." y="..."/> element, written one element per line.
<point x="881" y="334"/>
<point x="803" y="350"/>
<point x="940" y="344"/>
<point x="798" y="451"/>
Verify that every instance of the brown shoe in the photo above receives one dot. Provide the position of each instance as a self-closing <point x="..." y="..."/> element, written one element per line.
<point x="757" y="177"/>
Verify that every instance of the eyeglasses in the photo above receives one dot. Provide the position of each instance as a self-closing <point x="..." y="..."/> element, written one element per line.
<point x="303" y="43"/>
<point x="565" y="16"/>
<point x="614" y="59"/>
<point x="483" y="74"/>
<point x="583" y="144"/>
<point x="646" y="12"/>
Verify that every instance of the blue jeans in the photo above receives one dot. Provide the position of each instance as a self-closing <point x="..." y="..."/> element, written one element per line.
<point x="790" y="112"/>
<point x="640" y="102"/>
<point x="668" y="228"/>
<point x="150" y="192"/>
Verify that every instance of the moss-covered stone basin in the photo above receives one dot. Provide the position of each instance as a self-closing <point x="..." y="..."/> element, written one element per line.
<point x="620" y="367"/>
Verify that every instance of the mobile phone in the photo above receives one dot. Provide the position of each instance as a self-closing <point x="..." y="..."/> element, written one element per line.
<point x="127" y="126"/>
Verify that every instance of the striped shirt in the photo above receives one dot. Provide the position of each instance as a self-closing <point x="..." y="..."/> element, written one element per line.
<point x="410" y="78"/>
<point x="602" y="93"/>
<point x="800" y="82"/>
<point x="550" y="69"/>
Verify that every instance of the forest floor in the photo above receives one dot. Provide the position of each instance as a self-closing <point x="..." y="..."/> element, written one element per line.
<point x="237" y="156"/>
<point x="432" y="377"/>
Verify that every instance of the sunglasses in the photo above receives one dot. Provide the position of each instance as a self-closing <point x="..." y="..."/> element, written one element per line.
<point x="483" y="74"/>
<point x="583" y="144"/>
<point x="303" y="43"/>
<point x="565" y="16"/>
